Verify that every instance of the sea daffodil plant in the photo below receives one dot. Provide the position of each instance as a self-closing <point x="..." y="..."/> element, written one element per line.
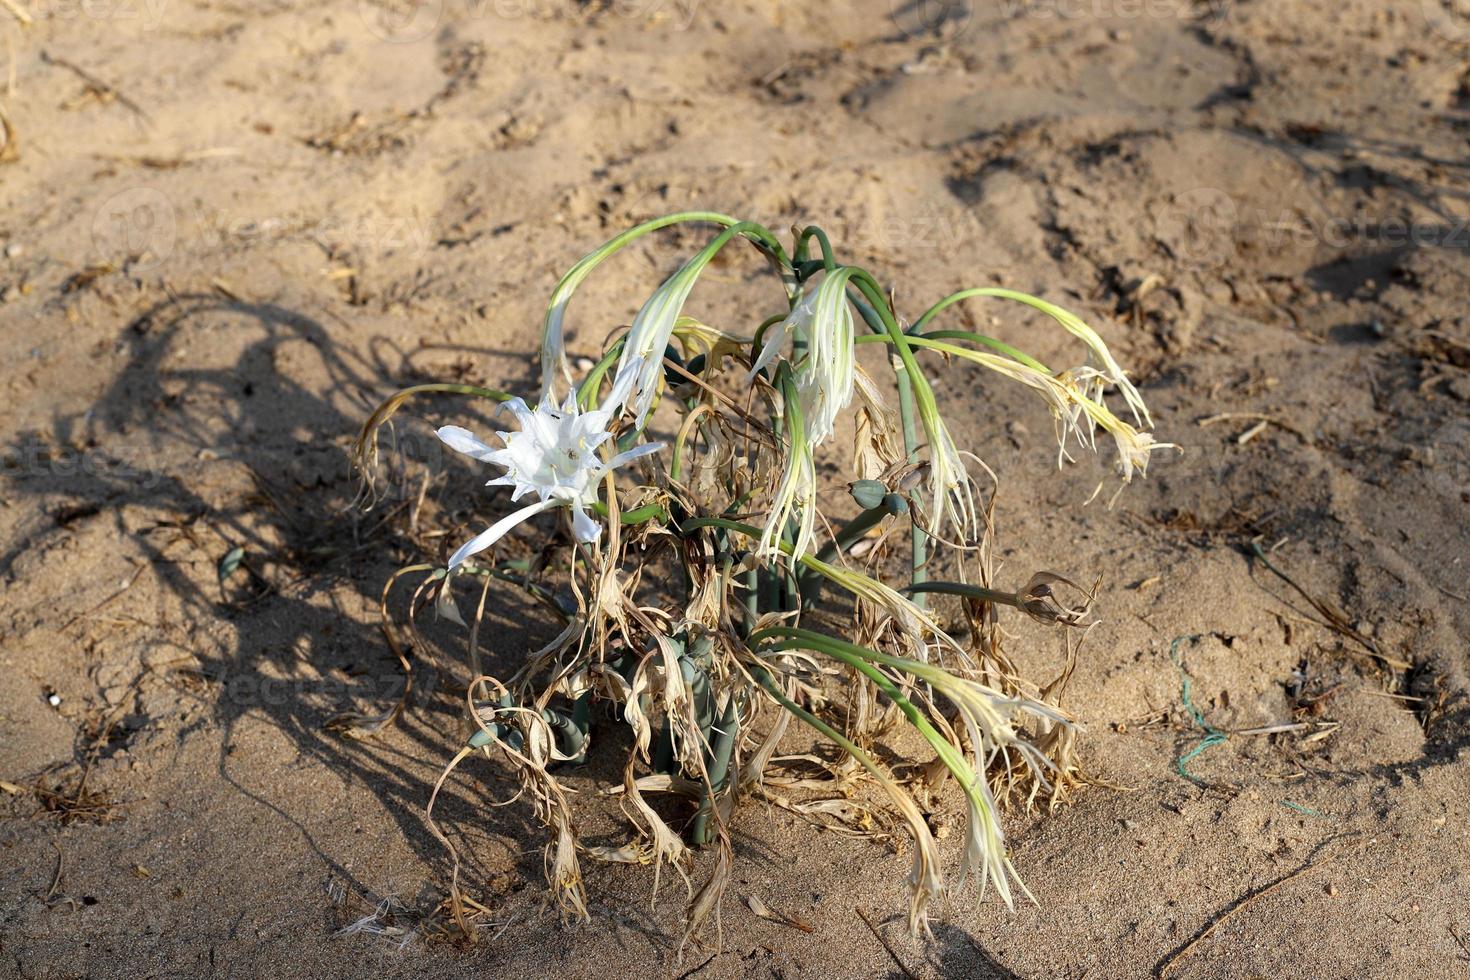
<point x="708" y="588"/>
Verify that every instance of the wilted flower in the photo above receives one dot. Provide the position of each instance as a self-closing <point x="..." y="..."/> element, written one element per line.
<point x="1093" y="379"/>
<point x="825" y="372"/>
<point x="553" y="350"/>
<point x="819" y="386"/>
<point x="642" y="361"/>
<point x="554" y="455"/>
<point x="1076" y="413"/>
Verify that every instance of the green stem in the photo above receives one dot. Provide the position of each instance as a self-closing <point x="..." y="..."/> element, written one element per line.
<point x="852" y="531"/>
<point x="637" y="515"/>
<point x="856" y="658"/>
<point x="918" y="539"/>
<point x="764" y="679"/>
<point x="996" y="292"/>
<point x="812" y="231"/>
<point x="717" y="771"/>
<point x="588" y="390"/>
<point x="968" y="591"/>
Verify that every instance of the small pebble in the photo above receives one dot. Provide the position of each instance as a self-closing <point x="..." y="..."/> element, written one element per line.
<point x="14" y="250"/>
<point x="54" y="700"/>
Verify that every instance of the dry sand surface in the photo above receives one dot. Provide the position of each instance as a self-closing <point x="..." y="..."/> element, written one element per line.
<point x="227" y="228"/>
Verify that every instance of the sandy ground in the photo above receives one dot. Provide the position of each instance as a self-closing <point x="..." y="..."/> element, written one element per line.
<point x="228" y="228"/>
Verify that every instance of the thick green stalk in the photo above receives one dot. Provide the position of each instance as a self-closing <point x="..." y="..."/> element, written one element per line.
<point x="808" y="233"/>
<point x="914" y="396"/>
<point x="851" y="532"/>
<point x="918" y="539"/>
<point x="727" y="733"/>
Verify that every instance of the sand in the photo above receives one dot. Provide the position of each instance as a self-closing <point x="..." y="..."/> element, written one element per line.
<point x="227" y="229"/>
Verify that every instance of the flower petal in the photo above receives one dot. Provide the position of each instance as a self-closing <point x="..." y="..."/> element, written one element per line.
<point x="585" y="528"/>
<point x="465" y="441"/>
<point x="624" y="458"/>
<point x="495" y="532"/>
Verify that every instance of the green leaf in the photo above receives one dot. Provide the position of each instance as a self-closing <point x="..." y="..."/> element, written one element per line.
<point x="231" y="562"/>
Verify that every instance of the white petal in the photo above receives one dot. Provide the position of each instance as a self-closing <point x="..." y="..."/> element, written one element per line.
<point x="518" y="408"/>
<point x="495" y="532"/>
<point x="622" y="388"/>
<point x="585" y="528"/>
<point x="627" y="457"/>
<point x="775" y="339"/>
<point x="465" y="441"/>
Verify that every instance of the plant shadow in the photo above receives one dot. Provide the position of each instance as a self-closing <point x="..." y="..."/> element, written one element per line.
<point x="194" y="456"/>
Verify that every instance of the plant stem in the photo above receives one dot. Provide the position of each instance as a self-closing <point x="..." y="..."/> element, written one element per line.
<point x="726" y="734"/>
<point x="852" y="531"/>
<point x="918" y="539"/>
<point x="975" y="338"/>
<point x="968" y="591"/>
<point x="587" y="391"/>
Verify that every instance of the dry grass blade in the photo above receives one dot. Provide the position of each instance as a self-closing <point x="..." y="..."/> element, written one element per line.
<point x="9" y="141"/>
<point x="1335" y="619"/>
<point x="1172" y="960"/>
<point x="17" y="11"/>
<point x="887" y="947"/>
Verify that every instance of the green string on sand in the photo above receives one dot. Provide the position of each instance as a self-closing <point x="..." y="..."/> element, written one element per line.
<point x="1213" y="736"/>
<point x="1301" y="809"/>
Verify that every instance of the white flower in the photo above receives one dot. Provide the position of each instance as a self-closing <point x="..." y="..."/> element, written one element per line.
<point x="824" y="374"/>
<point x="822" y="381"/>
<point x="553" y="350"/>
<point x="642" y="363"/>
<point x="554" y="456"/>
